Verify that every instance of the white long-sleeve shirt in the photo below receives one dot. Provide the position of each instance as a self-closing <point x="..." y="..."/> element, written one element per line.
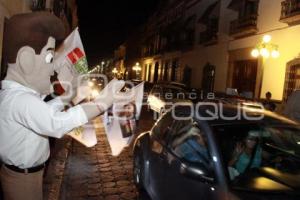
<point x="26" y="121"/>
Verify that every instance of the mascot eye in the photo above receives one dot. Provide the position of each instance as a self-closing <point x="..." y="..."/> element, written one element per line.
<point x="49" y="58"/>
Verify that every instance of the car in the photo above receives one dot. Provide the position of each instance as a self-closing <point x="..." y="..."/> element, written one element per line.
<point x="220" y="97"/>
<point x="187" y="155"/>
<point x="192" y="94"/>
<point x="147" y="87"/>
<point x="163" y="96"/>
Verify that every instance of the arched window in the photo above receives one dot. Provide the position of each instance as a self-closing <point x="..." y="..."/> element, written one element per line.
<point x="292" y="78"/>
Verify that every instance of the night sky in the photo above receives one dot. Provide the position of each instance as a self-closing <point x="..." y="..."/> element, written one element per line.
<point x="105" y="24"/>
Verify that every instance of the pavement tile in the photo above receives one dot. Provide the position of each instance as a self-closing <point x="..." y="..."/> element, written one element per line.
<point x="112" y="197"/>
<point x="108" y="191"/>
<point x="94" y="192"/>
<point x="93" y="173"/>
<point x="128" y="195"/>
<point x="123" y="183"/>
<point x="109" y="185"/>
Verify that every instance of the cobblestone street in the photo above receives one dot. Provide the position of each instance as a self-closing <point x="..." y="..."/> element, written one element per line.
<point x="93" y="173"/>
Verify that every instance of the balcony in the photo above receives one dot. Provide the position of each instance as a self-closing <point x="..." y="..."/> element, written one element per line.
<point x="244" y="26"/>
<point x="38" y="5"/>
<point x="290" y="12"/>
<point x="208" y="38"/>
<point x="210" y="35"/>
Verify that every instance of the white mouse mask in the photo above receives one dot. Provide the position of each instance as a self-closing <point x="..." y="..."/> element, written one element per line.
<point x="29" y="42"/>
<point x="34" y="70"/>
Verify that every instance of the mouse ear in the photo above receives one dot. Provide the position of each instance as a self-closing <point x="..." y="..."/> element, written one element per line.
<point x="26" y="59"/>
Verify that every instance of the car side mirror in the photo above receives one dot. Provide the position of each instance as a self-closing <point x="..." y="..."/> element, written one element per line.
<point x="196" y="171"/>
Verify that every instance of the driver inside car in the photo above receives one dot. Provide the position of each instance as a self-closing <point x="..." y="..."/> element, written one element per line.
<point x="247" y="154"/>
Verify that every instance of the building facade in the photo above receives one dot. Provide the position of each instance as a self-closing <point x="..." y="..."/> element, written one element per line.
<point x="207" y="44"/>
<point x="7" y="9"/>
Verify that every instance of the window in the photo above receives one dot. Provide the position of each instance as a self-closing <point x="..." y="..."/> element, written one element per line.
<point x="292" y="80"/>
<point x="163" y="127"/>
<point x="156" y="91"/>
<point x="247" y="147"/>
<point x="210" y="19"/>
<point x="244" y="75"/>
<point x="249" y="8"/>
<point x="190" y="144"/>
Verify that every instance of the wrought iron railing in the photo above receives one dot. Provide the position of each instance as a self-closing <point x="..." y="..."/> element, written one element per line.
<point x="243" y="23"/>
<point x="208" y="36"/>
<point x="38" y="5"/>
<point x="290" y="8"/>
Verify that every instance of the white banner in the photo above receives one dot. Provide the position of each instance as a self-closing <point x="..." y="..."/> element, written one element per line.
<point x="120" y="130"/>
<point x="86" y="135"/>
<point x="70" y="58"/>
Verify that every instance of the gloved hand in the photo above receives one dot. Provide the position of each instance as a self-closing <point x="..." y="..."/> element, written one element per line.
<point x="104" y="100"/>
<point x="109" y="94"/>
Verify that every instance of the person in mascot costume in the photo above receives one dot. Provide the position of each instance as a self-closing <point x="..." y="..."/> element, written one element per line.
<point x="26" y="121"/>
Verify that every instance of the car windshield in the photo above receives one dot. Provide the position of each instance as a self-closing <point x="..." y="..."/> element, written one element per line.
<point x="250" y="147"/>
<point x="177" y="93"/>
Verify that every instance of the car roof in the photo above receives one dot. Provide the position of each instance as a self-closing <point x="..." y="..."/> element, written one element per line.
<point x="207" y="111"/>
<point x="178" y="84"/>
<point x="166" y="85"/>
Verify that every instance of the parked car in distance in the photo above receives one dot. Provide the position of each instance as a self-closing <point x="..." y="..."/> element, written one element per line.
<point x="224" y="98"/>
<point x="192" y="94"/>
<point x="188" y="156"/>
<point x="163" y="96"/>
<point x="147" y="87"/>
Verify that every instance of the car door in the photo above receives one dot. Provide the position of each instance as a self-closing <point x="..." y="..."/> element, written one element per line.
<point x="156" y="156"/>
<point x="188" y="147"/>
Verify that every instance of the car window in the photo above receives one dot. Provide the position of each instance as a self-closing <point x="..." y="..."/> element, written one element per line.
<point x="162" y="127"/>
<point x="247" y="148"/>
<point x="156" y="91"/>
<point x="190" y="144"/>
<point x="176" y="93"/>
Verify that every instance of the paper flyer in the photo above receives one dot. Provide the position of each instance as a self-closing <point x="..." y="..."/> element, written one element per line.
<point x="86" y="135"/>
<point x="120" y="131"/>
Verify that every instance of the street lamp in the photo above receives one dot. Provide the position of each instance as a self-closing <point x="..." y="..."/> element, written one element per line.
<point x="91" y="83"/>
<point x="137" y="69"/>
<point x="265" y="48"/>
<point x="102" y="66"/>
<point x="114" y="71"/>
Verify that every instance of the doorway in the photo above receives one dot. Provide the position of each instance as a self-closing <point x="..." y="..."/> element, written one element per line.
<point x="187" y="76"/>
<point x="208" y="80"/>
<point x="244" y="76"/>
<point x="174" y="69"/>
<point x="149" y="72"/>
<point x="155" y="79"/>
